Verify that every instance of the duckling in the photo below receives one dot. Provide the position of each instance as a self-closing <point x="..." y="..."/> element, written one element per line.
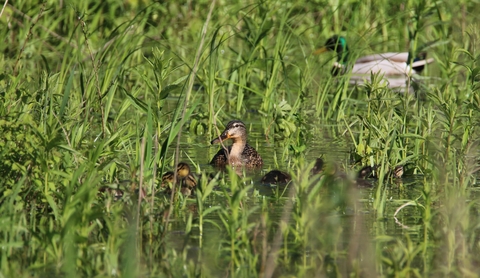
<point x="276" y="177"/>
<point x="367" y="172"/>
<point x="318" y="167"/>
<point x="185" y="191"/>
<point x="390" y="63"/>
<point x="190" y="181"/>
<point x="362" y="175"/>
<point x="280" y="177"/>
<point x="167" y="178"/>
<point x="116" y="193"/>
<point x="370" y="172"/>
<point x="397" y="172"/>
<point x="239" y="153"/>
<point x="185" y="179"/>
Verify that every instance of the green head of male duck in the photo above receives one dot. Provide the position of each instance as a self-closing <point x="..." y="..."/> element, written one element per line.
<point x="337" y="44"/>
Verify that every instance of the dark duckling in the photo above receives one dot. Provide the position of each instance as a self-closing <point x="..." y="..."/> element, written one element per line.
<point x="318" y="167"/>
<point x="280" y="177"/>
<point x="276" y="177"/>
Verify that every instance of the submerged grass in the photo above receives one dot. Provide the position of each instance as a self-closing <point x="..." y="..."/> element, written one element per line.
<point x="94" y="97"/>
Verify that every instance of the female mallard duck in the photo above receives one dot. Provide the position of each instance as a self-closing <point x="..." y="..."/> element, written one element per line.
<point x="185" y="179"/>
<point x="388" y="64"/>
<point x="239" y="153"/>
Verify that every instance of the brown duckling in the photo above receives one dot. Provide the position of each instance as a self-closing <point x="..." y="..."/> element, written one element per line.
<point x="189" y="181"/>
<point x="334" y="172"/>
<point x="185" y="179"/>
<point x="318" y="167"/>
<point x="371" y="172"/>
<point x="116" y="193"/>
<point x="397" y="172"/>
<point x="239" y="153"/>
<point x="167" y="179"/>
<point x="367" y="172"/>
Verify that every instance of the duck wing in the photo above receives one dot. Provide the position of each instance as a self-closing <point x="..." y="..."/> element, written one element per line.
<point x="395" y="58"/>
<point x="385" y="67"/>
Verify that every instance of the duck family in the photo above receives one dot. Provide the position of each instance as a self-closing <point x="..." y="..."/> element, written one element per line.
<point x="240" y="154"/>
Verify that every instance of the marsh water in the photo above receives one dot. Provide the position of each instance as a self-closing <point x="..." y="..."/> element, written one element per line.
<point x="326" y="141"/>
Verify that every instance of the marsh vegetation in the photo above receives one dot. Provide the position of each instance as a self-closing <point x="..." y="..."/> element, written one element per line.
<point x="102" y="97"/>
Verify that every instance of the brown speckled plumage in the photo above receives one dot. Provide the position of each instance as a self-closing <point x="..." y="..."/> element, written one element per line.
<point x="239" y="153"/>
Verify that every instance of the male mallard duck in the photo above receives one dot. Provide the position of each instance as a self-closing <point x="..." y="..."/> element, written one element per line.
<point x="185" y="179"/>
<point x="388" y="64"/>
<point x="239" y="153"/>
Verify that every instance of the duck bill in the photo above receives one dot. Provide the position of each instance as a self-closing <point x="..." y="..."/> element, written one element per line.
<point x="224" y="136"/>
<point x="320" y="50"/>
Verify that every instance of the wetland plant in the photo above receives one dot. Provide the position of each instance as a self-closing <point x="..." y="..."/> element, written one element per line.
<point x="107" y="94"/>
